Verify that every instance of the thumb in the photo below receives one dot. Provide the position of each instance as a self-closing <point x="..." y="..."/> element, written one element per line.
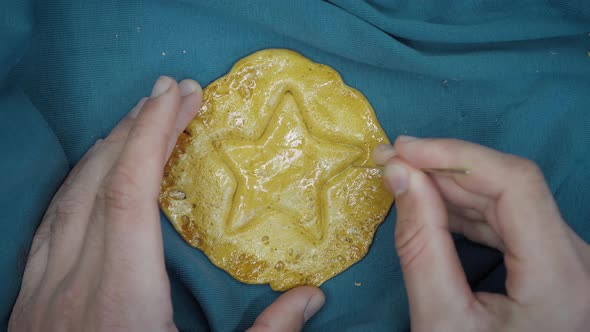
<point x="290" y="311"/>
<point x="436" y="284"/>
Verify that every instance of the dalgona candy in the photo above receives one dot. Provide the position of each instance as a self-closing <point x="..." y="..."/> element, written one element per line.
<point x="273" y="179"/>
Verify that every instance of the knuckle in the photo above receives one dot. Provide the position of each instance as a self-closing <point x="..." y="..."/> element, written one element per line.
<point x="120" y="191"/>
<point x="68" y="206"/>
<point x="110" y="298"/>
<point x="68" y="301"/>
<point x="23" y="318"/>
<point x="119" y="134"/>
<point x="156" y="104"/>
<point x="147" y="127"/>
<point x="144" y="125"/>
<point x="526" y="169"/>
<point x="445" y="146"/>
<point x="99" y="142"/>
<point x="41" y="235"/>
<point x="106" y="301"/>
<point x="73" y="176"/>
<point x="115" y="138"/>
<point x="411" y="238"/>
<point x="106" y="298"/>
<point x="525" y="165"/>
<point x="65" y="307"/>
<point x="154" y="112"/>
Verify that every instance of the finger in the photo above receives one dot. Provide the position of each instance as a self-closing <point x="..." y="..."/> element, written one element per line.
<point x="189" y="106"/>
<point x="135" y="180"/>
<point x="475" y="230"/>
<point x="465" y="213"/>
<point x="290" y="311"/>
<point x="133" y="240"/>
<point x="156" y="129"/>
<point x="459" y="196"/>
<point x="382" y="153"/>
<point x="143" y="155"/>
<point x="436" y="284"/>
<point x="496" y="312"/>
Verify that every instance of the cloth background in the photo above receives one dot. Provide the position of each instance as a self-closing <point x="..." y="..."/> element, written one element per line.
<point x="512" y="75"/>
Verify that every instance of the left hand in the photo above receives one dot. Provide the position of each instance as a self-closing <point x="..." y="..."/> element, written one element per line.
<point x="97" y="260"/>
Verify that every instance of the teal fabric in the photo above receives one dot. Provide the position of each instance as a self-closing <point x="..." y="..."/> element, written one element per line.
<point x="513" y="75"/>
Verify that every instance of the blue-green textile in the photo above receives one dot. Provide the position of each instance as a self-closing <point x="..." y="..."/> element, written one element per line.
<point x="513" y="75"/>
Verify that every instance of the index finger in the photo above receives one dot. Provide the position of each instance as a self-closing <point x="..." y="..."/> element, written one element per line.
<point x="129" y="195"/>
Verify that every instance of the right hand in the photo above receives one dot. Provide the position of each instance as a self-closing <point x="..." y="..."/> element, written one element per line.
<point x="504" y="203"/>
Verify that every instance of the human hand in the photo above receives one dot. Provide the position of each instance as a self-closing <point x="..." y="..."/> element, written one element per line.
<point x="504" y="203"/>
<point x="97" y="262"/>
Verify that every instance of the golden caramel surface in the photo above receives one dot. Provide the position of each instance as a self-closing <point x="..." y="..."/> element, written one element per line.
<point x="273" y="180"/>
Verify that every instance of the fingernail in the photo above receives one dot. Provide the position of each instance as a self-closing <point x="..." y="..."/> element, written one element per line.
<point x="162" y="85"/>
<point x="382" y="153"/>
<point x="397" y="178"/>
<point x="187" y="87"/>
<point x="405" y="138"/>
<point x="313" y="306"/>
<point x="135" y="110"/>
